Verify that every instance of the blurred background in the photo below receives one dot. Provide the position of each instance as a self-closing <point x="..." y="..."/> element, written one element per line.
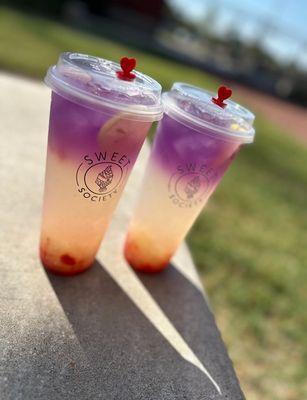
<point x="250" y="245"/>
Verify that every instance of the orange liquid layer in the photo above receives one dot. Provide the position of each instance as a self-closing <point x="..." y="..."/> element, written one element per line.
<point x="159" y="224"/>
<point x="73" y="226"/>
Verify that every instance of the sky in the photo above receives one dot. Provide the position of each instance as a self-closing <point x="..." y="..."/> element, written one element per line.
<point x="281" y="25"/>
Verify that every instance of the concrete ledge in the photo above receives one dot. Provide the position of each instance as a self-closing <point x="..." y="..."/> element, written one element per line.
<point x="109" y="333"/>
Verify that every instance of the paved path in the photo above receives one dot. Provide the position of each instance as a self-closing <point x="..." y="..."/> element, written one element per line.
<point x="108" y="333"/>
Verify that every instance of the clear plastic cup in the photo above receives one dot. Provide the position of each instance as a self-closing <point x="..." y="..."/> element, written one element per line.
<point x="195" y="143"/>
<point x="98" y="124"/>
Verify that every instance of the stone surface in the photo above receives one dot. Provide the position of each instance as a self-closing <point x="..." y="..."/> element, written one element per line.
<point x="108" y="333"/>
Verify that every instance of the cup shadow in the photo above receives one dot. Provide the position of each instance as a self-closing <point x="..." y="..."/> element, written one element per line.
<point x="129" y="358"/>
<point x="187" y="308"/>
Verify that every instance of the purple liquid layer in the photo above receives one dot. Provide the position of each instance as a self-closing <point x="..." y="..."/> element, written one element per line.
<point x="74" y="131"/>
<point x="178" y="145"/>
<point x="73" y="128"/>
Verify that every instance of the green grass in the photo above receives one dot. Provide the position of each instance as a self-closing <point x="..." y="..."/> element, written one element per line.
<point x="250" y="245"/>
<point x="28" y="45"/>
<point x="251" y="242"/>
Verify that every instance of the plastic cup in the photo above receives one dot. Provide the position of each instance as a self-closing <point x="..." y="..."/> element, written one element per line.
<point x="195" y="143"/>
<point x="98" y="124"/>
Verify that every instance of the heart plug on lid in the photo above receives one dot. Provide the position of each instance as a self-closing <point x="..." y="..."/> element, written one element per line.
<point x="223" y="93"/>
<point x="127" y="64"/>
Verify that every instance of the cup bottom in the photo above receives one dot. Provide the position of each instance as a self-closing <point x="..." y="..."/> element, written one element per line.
<point x="62" y="272"/>
<point x="147" y="268"/>
<point x="138" y="265"/>
<point x="66" y="265"/>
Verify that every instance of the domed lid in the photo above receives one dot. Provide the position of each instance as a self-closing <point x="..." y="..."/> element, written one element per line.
<point x="194" y="107"/>
<point x="95" y="83"/>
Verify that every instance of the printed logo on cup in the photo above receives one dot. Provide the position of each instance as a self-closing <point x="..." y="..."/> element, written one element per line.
<point x="100" y="175"/>
<point x="189" y="185"/>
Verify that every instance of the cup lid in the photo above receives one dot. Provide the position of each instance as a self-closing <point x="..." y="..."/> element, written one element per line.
<point x="94" y="82"/>
<point x="193" y="106"/>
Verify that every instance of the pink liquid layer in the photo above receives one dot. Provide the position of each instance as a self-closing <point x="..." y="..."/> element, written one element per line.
<point x="184" y="169"/>
<point x="90" y="156"/>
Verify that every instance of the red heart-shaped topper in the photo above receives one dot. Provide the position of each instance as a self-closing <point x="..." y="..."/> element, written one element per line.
<point x="127" y="64"/>
<point x="223" y="93"/>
